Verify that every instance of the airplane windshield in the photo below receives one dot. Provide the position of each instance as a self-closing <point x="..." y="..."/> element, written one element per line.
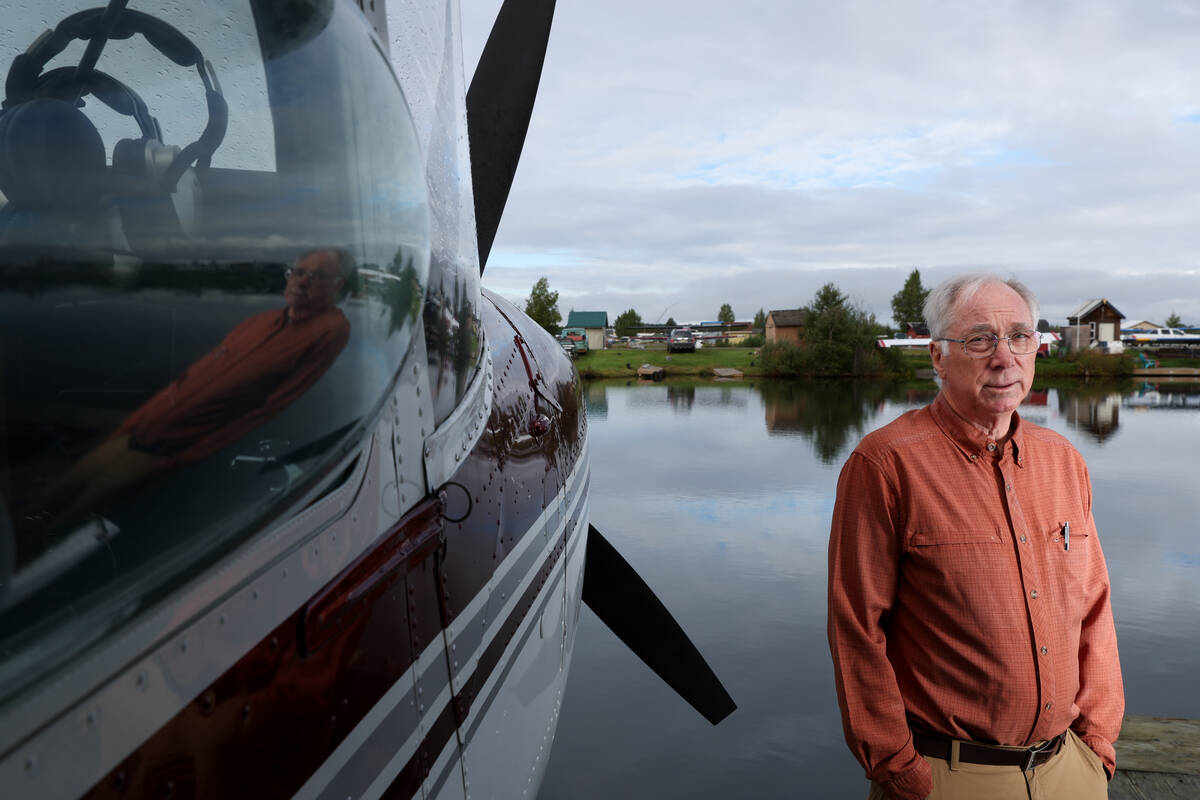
<point x="214" y="251"/>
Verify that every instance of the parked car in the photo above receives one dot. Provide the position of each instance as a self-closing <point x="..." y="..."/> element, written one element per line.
<point x="681" y="340"/>
<point x="578" y="339"/>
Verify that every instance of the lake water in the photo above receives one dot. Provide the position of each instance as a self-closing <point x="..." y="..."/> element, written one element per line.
<point x="721" y="494"/>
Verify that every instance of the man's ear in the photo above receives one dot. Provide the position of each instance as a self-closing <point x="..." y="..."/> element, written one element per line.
<point x="936" y="355"/>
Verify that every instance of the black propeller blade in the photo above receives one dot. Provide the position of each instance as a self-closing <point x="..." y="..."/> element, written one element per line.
<point x="623" y="602"/>
<point x="499" y="104"/>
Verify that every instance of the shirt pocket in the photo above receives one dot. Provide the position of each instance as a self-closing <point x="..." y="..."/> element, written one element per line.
<point x="1068" y="557"/>
<point x="958" y="567"/>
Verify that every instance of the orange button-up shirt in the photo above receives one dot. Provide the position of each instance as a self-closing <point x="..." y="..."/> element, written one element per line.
<point x="259" y="369"/>
<point x="956" y="605"/>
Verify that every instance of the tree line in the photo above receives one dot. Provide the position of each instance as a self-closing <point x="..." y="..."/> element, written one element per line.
<point x="542" y="307"/>
<point x="838" y="336"/>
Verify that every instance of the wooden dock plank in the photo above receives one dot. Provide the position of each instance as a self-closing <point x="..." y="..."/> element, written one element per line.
<point x="1166" y="371"/>
<point x="1135" y="785"/>
<point x="1159" y="744"/>
<point x="1158" y="758"/>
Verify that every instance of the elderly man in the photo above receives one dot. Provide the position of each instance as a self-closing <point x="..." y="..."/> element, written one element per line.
<point x="969" y="618"/>
<point x="262" y="366"/>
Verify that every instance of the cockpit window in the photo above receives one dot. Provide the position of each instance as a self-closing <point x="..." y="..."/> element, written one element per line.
<point x="214" y="252"/>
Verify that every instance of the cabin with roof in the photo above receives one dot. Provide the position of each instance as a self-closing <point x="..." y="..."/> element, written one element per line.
<point x="786" y="325"/>
<point x="593" y="322"/>
<point x="1142" y="325"/>
<point x="1096" y="323"/>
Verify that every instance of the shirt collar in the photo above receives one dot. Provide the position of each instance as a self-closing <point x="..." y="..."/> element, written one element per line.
<point x="968" y="438"/>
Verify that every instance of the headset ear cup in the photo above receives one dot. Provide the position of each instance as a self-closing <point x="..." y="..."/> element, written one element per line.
<point x="129" y="158"/>
<point x="51" y="157"/>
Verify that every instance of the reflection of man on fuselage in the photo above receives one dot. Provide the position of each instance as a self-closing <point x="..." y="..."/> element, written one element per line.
<point x="258" y="369"/>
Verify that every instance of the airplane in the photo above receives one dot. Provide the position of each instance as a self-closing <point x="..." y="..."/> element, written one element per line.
<point x="290" y="506"/>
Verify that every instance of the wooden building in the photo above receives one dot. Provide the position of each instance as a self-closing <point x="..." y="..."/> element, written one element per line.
<point x="1096" y="323"/>
<point x="785" y="326"/>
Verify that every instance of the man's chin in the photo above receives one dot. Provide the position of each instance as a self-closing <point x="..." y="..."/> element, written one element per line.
<point x="1005" y="402"/>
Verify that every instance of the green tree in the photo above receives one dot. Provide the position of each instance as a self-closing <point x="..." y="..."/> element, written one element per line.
<point x="908" y="304"/>
<point x="671" y="323"/>
<point x="542" y="306"/>
<point x="1173" y="321"/>
<point x="627" y="322"/>
<point x="760" y="321"/>
<point x="840" y="337"/>
<point x="725" y="315"/>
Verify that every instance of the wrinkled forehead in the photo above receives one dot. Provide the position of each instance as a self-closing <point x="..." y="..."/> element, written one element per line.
<point x="991" y="308"/>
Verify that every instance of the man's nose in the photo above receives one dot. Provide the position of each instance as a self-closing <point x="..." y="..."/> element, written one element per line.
<point x="1003" y="357"/>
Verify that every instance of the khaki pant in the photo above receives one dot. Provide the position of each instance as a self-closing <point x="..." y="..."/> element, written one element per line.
<point x="1076" y="773"/>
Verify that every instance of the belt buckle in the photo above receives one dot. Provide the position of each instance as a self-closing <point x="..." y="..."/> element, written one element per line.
<point x="1033" y="752"/>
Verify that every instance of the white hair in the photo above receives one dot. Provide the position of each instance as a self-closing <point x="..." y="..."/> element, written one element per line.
<point x="945" y="300"/>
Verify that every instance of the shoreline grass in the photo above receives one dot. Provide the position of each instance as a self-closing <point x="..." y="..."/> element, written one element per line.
<point x="623" y="362"/>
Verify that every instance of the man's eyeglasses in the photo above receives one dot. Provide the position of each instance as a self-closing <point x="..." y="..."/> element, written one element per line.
<point x="982" y="345"/>
<point x="316" y="276"/>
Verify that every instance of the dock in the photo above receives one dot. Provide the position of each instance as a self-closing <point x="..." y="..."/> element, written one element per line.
<point x="1158" y="758"/>
<point x="1167" y="372"/>
<point x="652" y="372"/>
<point x="727" y="373"/>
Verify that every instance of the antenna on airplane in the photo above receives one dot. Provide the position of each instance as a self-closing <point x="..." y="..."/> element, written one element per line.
<point x="499" y="105"/>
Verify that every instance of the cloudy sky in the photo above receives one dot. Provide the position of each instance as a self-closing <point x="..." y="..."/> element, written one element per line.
<point x="688" y="154"/>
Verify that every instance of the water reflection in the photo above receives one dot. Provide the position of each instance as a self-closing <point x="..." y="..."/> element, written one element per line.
<point x="1164" y="395"/>
<point x="595" y="396"/>
<point x="723" y="505"/>
<point x="681" y="398"/>
<point x="833" y="416"/>
<point x="1095" y="413"/>
<point x="678" y="396"/>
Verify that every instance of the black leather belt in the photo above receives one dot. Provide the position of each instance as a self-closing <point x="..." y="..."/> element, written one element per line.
<point x="935" y="745"/>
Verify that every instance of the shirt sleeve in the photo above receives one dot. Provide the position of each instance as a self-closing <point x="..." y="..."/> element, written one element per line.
<point x="1101" y="697"/>
<point x="864" y="568"/>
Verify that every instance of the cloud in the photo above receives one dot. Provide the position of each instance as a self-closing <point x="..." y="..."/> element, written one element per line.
<point x="700" y="153"/>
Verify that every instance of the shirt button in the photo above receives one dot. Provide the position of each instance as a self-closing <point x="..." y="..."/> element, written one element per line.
<point x="973" y="456"/>
<point x="1048" y="705"/>
<point x="1008" y="487"/>
<point x="991" y="447"/>
<point x="1022" y="540"/>
<point x="1033" y="594"/>
<point x="1045" y="650"/>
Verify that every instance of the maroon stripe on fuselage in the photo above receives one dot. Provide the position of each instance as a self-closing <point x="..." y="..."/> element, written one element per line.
<point x="466" y="696"/>
<point x="488" y="662"/>
<point x="408" y="782"/>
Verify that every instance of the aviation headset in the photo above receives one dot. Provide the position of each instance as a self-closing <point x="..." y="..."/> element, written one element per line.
<point x="52" y="156"/>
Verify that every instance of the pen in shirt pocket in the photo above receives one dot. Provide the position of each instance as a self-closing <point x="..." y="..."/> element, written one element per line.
<point x="1066" y="536"/>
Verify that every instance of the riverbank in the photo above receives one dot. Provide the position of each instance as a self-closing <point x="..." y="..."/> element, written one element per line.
<point x="623" y="362"/>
